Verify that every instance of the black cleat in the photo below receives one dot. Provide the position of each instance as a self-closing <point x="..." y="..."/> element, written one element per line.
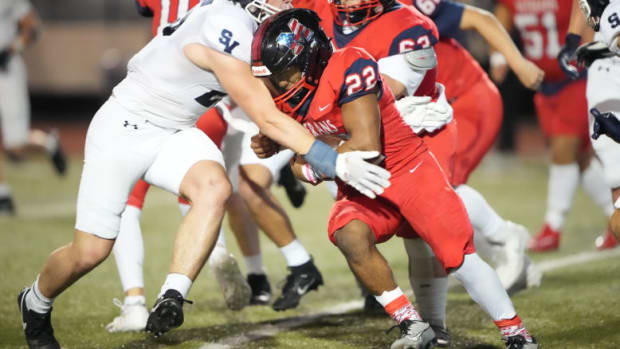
<point x="301" y="280"/>
<point x="37" y="327"/>
<point x="521" y="342"/>
<point x="295" y="190"/>
<point x="372" y="306"/>
<point x="167" y="313"/>
<point x="7" y="208"/>
<point x="57" y="155"/>
<point x="261" y="290"/>
<point x="442" y="335"/>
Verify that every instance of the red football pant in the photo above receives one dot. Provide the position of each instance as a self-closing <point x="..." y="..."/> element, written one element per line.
<point x="564" y="113"/>
<point x="213" y="125"/>
<point x="419" y="197"/>
<point x="478" y="113"/>
<point x="443" y="145"/>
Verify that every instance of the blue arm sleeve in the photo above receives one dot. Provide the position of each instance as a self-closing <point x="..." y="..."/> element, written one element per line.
<point x="447" y="17"/>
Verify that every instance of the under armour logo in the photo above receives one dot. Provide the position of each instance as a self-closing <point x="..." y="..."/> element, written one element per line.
<point x="126" y="124"/>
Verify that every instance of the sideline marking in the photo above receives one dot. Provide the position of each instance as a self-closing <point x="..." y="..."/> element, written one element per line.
<point x="281" y="325"/>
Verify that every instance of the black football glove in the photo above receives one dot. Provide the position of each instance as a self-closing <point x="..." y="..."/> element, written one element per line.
<point x="605" y="123"/>
<point x="5" y="56"/>
<point x="588" y="53"/>
<point x="567" y="55"/>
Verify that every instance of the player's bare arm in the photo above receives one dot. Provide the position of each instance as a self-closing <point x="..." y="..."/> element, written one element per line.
<point x="490" y="28"/>
<point x="252" y="96"/>
<point x="362" y="120"/>
<point x="398" y="89"/>
<point x="28" y="29"/>
<point x="499" y="68"/>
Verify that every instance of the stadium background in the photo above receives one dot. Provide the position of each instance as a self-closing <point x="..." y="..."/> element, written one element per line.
<point x="81" y="54"/>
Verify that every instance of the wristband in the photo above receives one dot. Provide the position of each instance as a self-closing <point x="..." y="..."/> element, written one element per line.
<point x="496" y="59"/>
<point x="572" y="41"/>
<point x="322" y="157"/>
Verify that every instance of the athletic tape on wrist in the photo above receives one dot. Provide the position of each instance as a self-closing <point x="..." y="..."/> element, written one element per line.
<point x="322" y="157"/>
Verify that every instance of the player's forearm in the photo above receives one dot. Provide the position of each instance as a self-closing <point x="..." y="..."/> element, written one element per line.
<point x="577" y="24"/>
<point x="490" y="28"/>
<point x="28" y="29"/>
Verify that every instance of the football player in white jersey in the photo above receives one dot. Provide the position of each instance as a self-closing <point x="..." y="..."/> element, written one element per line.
<point x="18" y="29"/>
<point x="603" y="89"/>
<point x="145" y="129"/>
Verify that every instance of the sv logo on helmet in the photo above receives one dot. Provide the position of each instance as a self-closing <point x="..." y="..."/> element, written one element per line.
<point x="297" y="38"/>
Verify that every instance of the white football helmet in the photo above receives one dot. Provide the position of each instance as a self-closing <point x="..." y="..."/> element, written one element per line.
<point x="261" y="9"/>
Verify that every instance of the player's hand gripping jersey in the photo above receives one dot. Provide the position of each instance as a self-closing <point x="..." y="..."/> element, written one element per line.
<point x="397" y="30"/>
<point x="542" y="25"/>
<point x="164" y="85"/>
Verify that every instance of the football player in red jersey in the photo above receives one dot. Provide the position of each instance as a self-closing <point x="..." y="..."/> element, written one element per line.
<point x="477" y="108"/>
<point x="561" y="108"/>
<point x="341" y="93"/>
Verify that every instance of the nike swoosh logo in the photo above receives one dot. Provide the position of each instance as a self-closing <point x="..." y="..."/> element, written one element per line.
<point x="301" y="290"/>
<point x="324" y="107"/>
<point x="416" y="167"/>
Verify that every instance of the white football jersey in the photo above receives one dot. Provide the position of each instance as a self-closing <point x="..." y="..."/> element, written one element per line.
<point x="610" y="24"/>
<point x="164" y="86"/>
<point x="11" y="11"/>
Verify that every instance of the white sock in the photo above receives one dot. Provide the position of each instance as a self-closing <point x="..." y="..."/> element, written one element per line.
<point x="5" y="190"/>
<point x="295" y="254"/>
<point x="220" y="252"/>
<point x="387" y="297"/>
<point x="129" y="249"/>
<point x="429" y="282"/>
<point x="563" y="182"/>
<point x="484" y="287"/>
<point x="178" y="282"/>
<point x="135" y="300"/>
<point x="594" y="184"/>
<point x="184" y="208"/>
<point x="36" y="301"/>
<point x="254" y="264"/>
<point x="483" y="217"/>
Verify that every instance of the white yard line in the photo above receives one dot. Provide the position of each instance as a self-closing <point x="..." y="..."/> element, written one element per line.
<point x="270" y="330"/>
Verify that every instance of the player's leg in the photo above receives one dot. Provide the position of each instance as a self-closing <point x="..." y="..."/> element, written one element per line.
<point x="129" y="255"/>
<point x="446" y="228"/>
<point x="109" y="172"/>
<point x="7" y="207"/>
<point x="191" y="165"/>
<point x="255" y="179"/>
<point x="254" y="186"/>
<point x="243" y="225"/>
<point x="246" y="233"/>
<point x="355" y="226"/>
<point x="15" y="108"/>
<point x="563" y="118"/>
<point x="479" y="116"/>
<point x="235" y="289"/>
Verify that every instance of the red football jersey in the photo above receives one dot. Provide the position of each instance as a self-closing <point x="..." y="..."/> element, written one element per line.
<point x="351" y="73"/>
<point x="400" y="29"/>
<point x="543" y="25"/>
<point x="457" y="70"/>
<point x="166" y="11"/>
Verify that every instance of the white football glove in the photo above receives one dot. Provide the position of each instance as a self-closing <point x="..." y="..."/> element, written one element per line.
<point x="367" y="178"/>
<point x="424" y="115"/>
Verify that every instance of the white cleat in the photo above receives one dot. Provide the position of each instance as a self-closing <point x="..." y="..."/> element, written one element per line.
<point x="414" y="335"/>
<point x="511" y="259"/>
<point x="133" y="317"/>
<point x="235" y="288"/>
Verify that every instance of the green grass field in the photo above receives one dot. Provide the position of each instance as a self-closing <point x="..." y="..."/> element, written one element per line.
<point x="576" y="306"/>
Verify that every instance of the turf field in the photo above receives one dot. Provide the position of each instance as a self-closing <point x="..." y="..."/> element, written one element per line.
<point x="577" y="305"/>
